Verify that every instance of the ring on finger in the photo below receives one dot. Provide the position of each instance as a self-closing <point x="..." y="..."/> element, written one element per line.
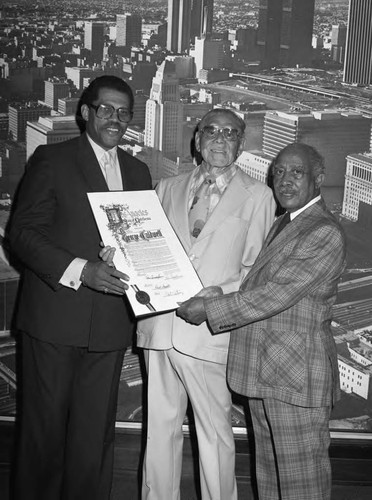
<point x="105" y="290"/>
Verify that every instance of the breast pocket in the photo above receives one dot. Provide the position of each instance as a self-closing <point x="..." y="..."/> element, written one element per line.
<point x="282" y="359"/>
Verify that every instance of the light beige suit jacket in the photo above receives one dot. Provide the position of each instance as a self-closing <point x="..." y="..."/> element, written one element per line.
<point x="222" y="255"/>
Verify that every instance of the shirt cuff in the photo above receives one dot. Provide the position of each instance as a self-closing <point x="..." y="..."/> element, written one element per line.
<point x="71" y="276"/>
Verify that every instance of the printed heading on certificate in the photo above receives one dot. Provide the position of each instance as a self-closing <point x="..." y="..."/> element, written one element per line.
<point x="147" y="250"/>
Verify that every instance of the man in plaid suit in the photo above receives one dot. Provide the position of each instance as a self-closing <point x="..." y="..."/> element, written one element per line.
<point x="282" y="354"/>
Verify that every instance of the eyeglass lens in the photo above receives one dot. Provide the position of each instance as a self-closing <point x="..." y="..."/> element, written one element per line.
<point x="106" y="111"/>
<point x="230" y="134"/>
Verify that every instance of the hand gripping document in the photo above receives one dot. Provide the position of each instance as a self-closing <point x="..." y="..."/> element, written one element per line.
<point x="147" y="250"/>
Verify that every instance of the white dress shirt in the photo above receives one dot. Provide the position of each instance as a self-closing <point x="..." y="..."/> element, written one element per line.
<point x="71" y="276"/>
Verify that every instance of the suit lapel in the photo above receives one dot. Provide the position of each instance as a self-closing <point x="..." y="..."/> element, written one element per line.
<point x="179" y="205"/>
<point x="89" y="166"/>
<point x="236" y="193"/>
<point x="292" y="231"/>
<point x="123" y="171"/>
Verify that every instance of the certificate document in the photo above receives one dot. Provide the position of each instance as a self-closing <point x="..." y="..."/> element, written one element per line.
<point x="147" y="250"/>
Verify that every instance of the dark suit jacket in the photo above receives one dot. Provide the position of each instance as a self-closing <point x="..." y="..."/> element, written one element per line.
<point x="52" y="223"/>
<point x="281" y="343"/>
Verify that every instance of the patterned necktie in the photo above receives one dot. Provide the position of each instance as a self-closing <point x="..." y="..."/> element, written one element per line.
<point x="111" y="174"/>
<point x="199" y="210"/>
<point x="286" y="219"/>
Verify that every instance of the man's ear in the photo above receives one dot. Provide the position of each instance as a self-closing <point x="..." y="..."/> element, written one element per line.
<point x="197" y="142"/>
<point x="85" y="112"/>
<point x="319" y="180"/>
<point x="241" y="146"/>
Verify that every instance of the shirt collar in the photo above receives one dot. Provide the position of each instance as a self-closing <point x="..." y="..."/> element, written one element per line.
<point x="222" y="179"/>
<point x="311" y="202"/>
<point x="99" y="151"/>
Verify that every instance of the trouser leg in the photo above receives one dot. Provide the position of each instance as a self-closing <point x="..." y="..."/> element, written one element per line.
<point x="167" y="404"/>
<point x="206" y="386"/>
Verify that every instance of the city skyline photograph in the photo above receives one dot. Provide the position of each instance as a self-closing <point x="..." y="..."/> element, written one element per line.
<point x="293" y="70"/>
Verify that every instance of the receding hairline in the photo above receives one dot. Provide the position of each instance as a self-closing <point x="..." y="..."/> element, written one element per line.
<point x="220" y="111"/>
<point x="315" y="159"/>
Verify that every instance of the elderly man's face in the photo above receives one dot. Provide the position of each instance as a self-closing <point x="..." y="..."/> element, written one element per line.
<point x="219" y="141"/>
<point x="294" y="181"/>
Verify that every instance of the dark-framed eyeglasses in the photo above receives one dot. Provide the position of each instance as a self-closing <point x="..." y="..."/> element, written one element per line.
<point x="230" y="134"/>
<point x="105" y="111"/>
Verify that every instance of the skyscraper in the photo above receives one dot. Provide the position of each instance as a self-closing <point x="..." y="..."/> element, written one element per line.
<point x="164" y="116"/>
<point x="179" y="21"/>
<point x="358" y="184"/>
<point x="20" y="114"/>
<point x="335" y="134"/>
<point x="94" y="39"/>
<point x="338" y="42"/>
<point x="201" y="18"/>
<point x="54" y="89"/>
<point x="358" y="57"/>
<point x="285" y="29"/>
<point x="209" y="54"/>
<point x="128" y="30"/>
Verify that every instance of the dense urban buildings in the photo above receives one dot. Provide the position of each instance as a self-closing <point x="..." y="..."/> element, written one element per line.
<point x="182" y="58"/>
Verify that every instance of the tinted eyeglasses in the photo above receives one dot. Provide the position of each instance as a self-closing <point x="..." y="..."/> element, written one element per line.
<point x="105" y="111"/>
<point x="211" y="132"/>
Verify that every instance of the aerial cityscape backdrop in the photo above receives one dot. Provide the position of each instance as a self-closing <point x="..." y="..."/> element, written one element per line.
<point x="294" y="70"/>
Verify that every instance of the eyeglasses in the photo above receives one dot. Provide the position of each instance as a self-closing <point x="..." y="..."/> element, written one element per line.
<point x="211" y="132"/>
<point x="105" y="111"/>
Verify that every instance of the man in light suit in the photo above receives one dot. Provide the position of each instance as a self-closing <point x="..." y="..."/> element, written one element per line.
<point x="282" y="354"/>
<point x="221" y="216"/>
<point x="73" y="320"/>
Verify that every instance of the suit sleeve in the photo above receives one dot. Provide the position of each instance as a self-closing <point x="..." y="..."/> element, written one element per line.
<point x="317" y="259"/>
<point x="32" y="220"/>
<point x="261" y="222"/>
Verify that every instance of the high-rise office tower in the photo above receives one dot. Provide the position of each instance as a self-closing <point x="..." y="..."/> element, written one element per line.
<point x="94" y="39"/>
<point x="338" y="42"/>
<point x="164" y="115"/>
<point x="128" y="30"/>
<point x="358" y="185"/>
<point x="201" y="18"/>
<point x="209" y="54"/>
<point x="20" y="114"/>
<point x="285" y="29"/>
<point x="179" y="21"/>
<point x="54" y="89"/>
<point x="335" y="134"/>
<point x="358" y="57"/>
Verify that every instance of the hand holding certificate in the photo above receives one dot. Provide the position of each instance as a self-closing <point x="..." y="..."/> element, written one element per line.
<point x="147" y="250"/>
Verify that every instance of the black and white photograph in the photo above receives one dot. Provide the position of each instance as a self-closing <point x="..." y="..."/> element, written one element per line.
<point x="237" y="114"/>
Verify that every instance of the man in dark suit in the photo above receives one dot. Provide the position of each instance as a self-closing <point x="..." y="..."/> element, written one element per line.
<point x="74" y="322"/>
<point x="282" y="353"/>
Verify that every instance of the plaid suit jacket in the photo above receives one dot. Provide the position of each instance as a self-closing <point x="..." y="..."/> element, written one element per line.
<point x="281" y="343"/>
